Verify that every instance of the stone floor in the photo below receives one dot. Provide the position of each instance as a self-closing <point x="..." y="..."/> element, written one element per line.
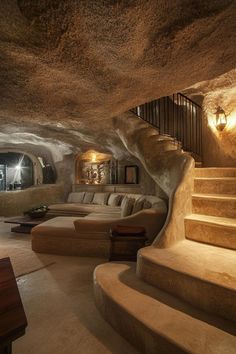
<point x="59" y="306"/>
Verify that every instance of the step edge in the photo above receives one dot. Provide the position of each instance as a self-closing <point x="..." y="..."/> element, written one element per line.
<point x="189" y="274"/>
<point x="151" y="327"/>
<point x="216" y="197"/>
<point x="191" y="238"/>
<point x="227" y="179"/>
<point x="211" y="222"/>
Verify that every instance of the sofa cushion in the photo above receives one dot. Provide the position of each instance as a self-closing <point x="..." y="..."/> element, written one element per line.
<point x="76" y="197"/>
<point x="100" y="198"/>
<point x="138" y="205"/>
<point x="127" y="207"/>
<point x="123" y="201"/>
<point x="62" y="226"/>
<point x="115" y="199"/>
<point x="83" y="208"/>
<point x="88" y="197"/>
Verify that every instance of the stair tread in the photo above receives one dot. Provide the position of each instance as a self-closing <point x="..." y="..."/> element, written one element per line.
<point x="216" y="220"/>
<point x="207" y="196"/>
<point x="227" y="179"/>
<point x="188" y="328"/>
<point x="209" y="263"/>
<point x="215" y="171"/>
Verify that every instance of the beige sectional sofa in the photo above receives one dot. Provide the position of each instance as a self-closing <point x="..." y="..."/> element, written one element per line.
<point x="86" y="231"/>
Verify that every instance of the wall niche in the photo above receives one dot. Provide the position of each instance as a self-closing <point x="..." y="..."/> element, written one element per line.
<point x="93" y="167"/>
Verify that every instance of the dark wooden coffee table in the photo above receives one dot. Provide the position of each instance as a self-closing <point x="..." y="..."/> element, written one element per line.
<point x="12" y="315"/>
<point x="25" y="223"/>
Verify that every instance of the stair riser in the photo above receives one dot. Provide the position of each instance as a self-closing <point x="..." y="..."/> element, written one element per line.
<point x="215" y="187"/>
<point x="200" y="293"/>
<point x="142" y="337"/>
<point x="222" y="208"/>
<point x="211" y="234"/>
<point x="215" y="172"/>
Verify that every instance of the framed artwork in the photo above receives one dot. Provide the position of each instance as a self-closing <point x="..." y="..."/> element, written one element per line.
<point x="131" y="174"/>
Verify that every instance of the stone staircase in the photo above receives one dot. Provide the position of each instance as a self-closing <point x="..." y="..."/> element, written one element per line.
<point x="181" y="299"/>
<point x="214" y="208"/>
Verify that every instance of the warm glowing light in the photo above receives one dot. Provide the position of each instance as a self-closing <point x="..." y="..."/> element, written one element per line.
<point x="231" y="120"/>
<point x="93" y="157"/>
<point x="221" y="119"/>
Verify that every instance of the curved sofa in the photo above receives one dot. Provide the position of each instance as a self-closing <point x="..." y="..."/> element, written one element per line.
<point x="86" y="231"/>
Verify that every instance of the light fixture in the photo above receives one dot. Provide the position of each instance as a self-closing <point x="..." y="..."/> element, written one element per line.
<point x="18" y="167"/>
<point x="221" y="119"/>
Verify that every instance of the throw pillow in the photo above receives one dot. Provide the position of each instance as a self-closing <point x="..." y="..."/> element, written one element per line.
<point x="100" y="198"/>
<point x="127" y="207"/>
<point x="138" y="205"/>
<point x="147" y="204"/>
<point x="76" y="197"/>
<point x="88" y="197"/>
<point x="124" y="201"/>
<point x="114" y="199"/>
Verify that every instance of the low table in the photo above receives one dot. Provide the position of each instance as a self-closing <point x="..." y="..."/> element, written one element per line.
<point x="25" y="223"/>
<point x="125" y="242"/>
<point x="12" y="315"/>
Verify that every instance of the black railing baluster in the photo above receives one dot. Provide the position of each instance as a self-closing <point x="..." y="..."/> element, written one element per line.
<point x="177" y="116"/>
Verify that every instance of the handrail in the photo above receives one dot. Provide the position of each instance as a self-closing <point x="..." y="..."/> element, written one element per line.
<point x="177" y="116"/>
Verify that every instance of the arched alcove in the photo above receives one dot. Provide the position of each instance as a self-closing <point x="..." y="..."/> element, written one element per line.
<point x="93" y="167"/>
<point x="19" y="169"/>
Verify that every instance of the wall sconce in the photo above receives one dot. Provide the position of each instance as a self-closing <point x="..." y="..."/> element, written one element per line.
<point x="221" y="119"/>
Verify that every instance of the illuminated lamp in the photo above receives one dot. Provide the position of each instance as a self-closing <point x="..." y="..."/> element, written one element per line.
<point x="221" y="119"/>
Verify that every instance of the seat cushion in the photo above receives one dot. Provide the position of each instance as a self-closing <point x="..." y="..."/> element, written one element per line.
<point x="103" y="216"/>
<point x="61" y="226"/>
<point x="82" y="208"/>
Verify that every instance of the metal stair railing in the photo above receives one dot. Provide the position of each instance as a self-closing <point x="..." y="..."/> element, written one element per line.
<point x="177" y="116"/>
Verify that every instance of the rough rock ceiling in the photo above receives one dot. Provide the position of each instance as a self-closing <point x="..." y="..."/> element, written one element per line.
<point x="67" y="67"/>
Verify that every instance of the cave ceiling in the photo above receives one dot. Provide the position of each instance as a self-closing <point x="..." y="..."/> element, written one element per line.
<point x="68" y="67"/>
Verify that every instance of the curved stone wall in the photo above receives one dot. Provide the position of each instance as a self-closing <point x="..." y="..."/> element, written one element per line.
<point x="171" y="169"/>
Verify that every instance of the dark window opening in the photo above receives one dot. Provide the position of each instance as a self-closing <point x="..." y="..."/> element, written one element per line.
<point x="16" y="171"/>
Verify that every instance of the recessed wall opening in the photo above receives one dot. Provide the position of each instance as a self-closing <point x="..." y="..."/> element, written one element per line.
<point x="16" y="171"/>
<point x="21" y="170"/>
<point x="94" y="167"/>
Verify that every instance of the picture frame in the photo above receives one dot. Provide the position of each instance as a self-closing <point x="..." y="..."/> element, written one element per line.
<point x="131" y="174"/>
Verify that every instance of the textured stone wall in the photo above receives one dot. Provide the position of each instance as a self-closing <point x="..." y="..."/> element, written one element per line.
<point x="218" y="147"/>
<point x="16" y="202"/>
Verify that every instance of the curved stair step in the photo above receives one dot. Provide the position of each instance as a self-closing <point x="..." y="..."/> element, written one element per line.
<point x="215" y="172"/>
<point x="200" y="274"/>
<point x="216" y="185"/>
<point x="214" y="230"/>
<point x="214" y="204"/>
<point x="154" y="321"/>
